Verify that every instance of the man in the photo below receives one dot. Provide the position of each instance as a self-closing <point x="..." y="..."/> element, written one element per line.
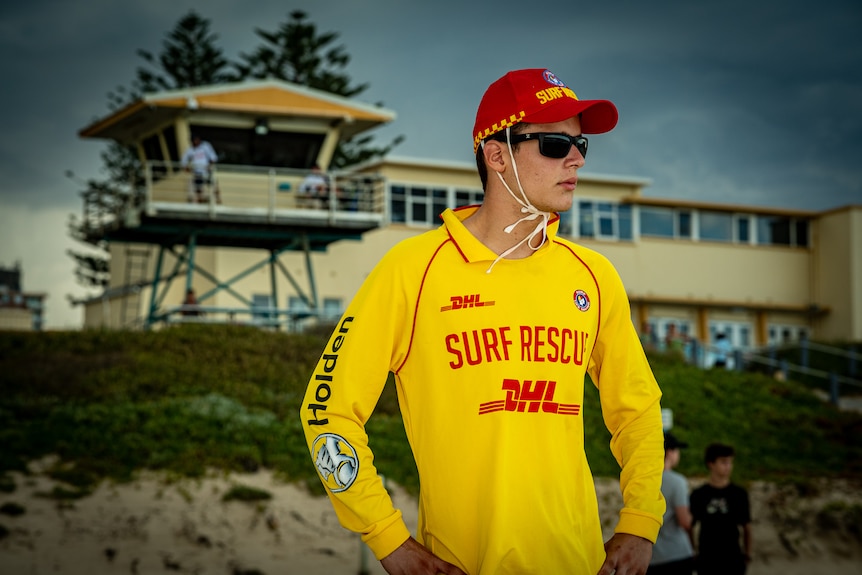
<point x="199" y="160"/>
<point x="315" y="188"/>
<point x="722" y="510"/>
<point x="672" y="554"/>
<point x="722" y="350"/>
<point x="490" y="324"/>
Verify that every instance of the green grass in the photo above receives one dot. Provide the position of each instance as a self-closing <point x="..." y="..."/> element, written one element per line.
<point x="192" y="398"/>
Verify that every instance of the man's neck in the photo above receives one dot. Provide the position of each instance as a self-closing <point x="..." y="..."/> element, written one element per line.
<point x="488" y="225"/>
<point x="719" y="482"/>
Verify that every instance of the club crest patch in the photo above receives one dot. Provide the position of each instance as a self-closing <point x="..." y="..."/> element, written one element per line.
<point x="550" y="78"/>
<point x="336" y="461"/>
<point x="582" y="300"/>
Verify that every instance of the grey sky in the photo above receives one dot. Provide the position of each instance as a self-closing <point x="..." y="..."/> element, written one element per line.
<point x="738" y="101"/>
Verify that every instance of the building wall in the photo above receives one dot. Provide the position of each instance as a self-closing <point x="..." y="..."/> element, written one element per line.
<point x="697" y="271"/>
<point x="760" y="292"/>
<point x="837" y="278"/>
<point x="16" y="319"/>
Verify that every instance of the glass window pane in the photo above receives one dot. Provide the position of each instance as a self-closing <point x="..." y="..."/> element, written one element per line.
<point x="566" y="223"/>
<point x="656" y="222"/>
<point x="624" y="229"/>
<point x="419" y="212"/>
<point x="332" y="308"/>
<point x="439" y="207"/>
<point x="742" y="229"/>
<point x="586" y="227"/>
<point x="802" y="233"/>
<point x="606" y="226"/>
<point x="397" y="211"/>
<point x="397" y="206"/>
<point x="684" y="221"/>
<point x="774" y="230"/>
<point x="716" y="226"/>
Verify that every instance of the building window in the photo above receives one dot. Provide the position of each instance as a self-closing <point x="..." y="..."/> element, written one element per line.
<point x="421" y="205"/>
<point x="417" y="199"/>
<point x="398" y="204"/>
<point x="683" y="224"/>
<point x="786" y="334"/>
<point x="716" y="226"/>
<point x="467" y="198"/>
<point x="658" y="222"/>
<point x="782" y="231"/>
<point x="773" y="230"/>
<point x="600" y="220"/>
<point x="742" y="229"/>
<point x="261" y="308"/>
<point x="332" y="308"/>
<point x="245" y="147"/>
<point x="624" y="220"/>
<point x="801" y="233"/>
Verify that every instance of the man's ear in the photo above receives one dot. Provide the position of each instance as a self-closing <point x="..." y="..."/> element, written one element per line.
<point x="495" y="155"/>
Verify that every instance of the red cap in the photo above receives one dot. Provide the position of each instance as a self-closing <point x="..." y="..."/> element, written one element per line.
<point x="537" y="96"/>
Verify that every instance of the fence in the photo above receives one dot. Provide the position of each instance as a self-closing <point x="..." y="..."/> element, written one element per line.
<point x="827" y="367"/>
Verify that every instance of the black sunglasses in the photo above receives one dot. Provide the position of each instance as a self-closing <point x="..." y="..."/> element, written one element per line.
<point x="551" y="144"/>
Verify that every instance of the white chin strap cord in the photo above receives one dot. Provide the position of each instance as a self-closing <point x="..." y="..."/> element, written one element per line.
<point x="532" y="213"/>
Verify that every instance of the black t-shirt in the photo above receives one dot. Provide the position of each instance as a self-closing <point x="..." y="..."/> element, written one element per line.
<point x="720" y="513"/>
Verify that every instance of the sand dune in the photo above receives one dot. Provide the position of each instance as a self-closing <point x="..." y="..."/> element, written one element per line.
<point x="154" y="525"/>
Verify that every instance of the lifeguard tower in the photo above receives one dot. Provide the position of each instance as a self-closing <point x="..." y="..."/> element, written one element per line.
<point x="268" y="136"/>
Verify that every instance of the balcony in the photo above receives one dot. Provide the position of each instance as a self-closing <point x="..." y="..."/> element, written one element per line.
<point x="242" y="206"/>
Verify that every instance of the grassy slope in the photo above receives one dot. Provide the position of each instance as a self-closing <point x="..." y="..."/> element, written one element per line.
<point x="193" y="397"/>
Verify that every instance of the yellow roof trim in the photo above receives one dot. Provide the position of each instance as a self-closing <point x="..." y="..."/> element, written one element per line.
<point x="270" y="100"/>
<point x="265" y="97"/>
<point x="100" y="125"/>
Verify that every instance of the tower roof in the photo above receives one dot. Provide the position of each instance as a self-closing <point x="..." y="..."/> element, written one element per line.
<point x="266" y="98"/>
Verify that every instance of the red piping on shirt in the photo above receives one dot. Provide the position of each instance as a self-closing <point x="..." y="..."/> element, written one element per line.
<point x="418" y="298"/>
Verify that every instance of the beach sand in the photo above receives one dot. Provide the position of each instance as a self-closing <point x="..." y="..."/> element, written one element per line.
<point x="155" y="525"/>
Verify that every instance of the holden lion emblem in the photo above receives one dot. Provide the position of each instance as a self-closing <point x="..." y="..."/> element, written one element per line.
<point x="336" y="461"/>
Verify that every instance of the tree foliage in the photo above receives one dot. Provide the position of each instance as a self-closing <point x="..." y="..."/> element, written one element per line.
<point x="190" y="57"/>
<point x="296" y="52"/>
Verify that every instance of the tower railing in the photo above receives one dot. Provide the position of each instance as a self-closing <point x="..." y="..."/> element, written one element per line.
<point x="231" y="189"/>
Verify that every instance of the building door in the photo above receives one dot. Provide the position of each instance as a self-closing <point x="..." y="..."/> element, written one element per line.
<point x="737" y="333"/>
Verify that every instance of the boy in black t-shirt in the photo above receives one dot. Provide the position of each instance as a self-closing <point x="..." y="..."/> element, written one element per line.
<point x="720" y="508"/>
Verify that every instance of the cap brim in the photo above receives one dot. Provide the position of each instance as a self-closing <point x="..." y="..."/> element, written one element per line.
<point x="597" y="116"/>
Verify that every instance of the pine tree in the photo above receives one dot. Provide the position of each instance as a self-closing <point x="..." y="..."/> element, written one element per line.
<point x="297" y="53"/>
<point x="189" y="57"/>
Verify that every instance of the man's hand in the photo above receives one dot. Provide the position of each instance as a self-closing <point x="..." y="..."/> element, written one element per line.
<point x="411" y="558"/>
<point x="626" y="555"/>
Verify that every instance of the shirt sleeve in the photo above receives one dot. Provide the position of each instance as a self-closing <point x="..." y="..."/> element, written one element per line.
<point x="630" y="400"/>
<point x="345" y="386"/>
<point x="211" y="154"/>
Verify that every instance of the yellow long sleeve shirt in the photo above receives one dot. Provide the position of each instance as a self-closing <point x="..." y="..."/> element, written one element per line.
<point x="489" y="369"/>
